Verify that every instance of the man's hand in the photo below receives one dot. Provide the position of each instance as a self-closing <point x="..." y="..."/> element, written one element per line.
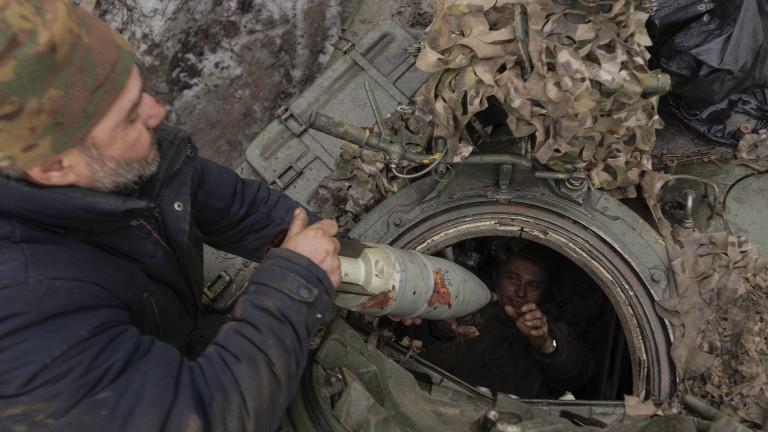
<point x="316" y="242"/>
<point x="406" y="321"/>
<point x="532" y="323"/>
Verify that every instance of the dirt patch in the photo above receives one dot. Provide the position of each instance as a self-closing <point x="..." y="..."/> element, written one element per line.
<point x="413" y="15"/>
<point x="416" y="14"/>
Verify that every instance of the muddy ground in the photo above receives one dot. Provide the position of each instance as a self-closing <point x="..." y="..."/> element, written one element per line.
<point x="223" y="67"/>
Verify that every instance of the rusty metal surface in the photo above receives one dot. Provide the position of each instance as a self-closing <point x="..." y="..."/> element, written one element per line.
<point x="674" y="141"/>
<point x="441" y="294"/>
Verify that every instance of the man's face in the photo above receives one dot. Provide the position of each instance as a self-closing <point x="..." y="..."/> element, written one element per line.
<point x="119" y="151"/>
<point x="519" y="282"/>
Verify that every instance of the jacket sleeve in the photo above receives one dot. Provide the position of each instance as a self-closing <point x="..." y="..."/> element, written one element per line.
<point x="238" y="215"/>
<point x="78" y="364"/>
<point x="570" y="366"/>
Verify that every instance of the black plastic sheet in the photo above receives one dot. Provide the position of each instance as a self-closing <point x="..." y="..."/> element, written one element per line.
<point x="716" y="52"/>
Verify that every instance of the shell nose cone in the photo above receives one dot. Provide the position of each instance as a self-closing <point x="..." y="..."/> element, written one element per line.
<point x="467" y="293"/>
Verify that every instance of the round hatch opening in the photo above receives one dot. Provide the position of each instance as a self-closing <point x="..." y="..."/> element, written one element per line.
<point x="595" y="288"/>
<point x="611" y="259"/>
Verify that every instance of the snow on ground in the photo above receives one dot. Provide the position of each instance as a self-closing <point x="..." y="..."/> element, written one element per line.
<point x="223" y="67"/>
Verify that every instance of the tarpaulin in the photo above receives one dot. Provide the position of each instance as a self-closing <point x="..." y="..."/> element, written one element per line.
<point x="716" y="52"/>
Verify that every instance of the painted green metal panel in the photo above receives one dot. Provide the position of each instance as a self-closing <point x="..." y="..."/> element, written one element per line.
<point x="293" y="159"/>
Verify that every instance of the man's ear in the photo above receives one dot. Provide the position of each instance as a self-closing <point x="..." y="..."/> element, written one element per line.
<point x="58" y="172"/>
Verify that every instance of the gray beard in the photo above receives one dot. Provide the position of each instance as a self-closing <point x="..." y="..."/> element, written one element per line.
<point x="113" y="175"/>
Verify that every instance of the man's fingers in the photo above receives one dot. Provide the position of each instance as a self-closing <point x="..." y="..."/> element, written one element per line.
<point x="535" y="323"/>
<point x="533" y="315"/>
<point x="511" y="311"/>
<point x="406" y="321"/>
<point x="335" y="279"/>
<point x="326" y="226"/>
<point x="334" y="271"/>
<point x="299" y="222"/>
<point x="316" y="242"/>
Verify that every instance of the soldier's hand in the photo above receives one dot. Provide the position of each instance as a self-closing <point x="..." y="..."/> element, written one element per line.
<point x="406" y="321"/>
<point x="532" y="323"/>
<point x="316" y="242"/>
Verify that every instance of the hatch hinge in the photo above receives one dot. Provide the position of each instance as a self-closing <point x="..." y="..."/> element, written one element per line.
<point x="292" y="171"/>
<point x="290" y="120"/>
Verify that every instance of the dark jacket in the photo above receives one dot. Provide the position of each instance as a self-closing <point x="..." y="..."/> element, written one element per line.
<point x="97" y="290"/>
<point x="502" y="359"/>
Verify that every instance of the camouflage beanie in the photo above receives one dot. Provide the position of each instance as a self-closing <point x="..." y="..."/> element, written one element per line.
<point x="61" y="69"/>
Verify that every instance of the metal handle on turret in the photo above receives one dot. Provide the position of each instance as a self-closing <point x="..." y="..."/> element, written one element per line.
<point x="365" y="138"/>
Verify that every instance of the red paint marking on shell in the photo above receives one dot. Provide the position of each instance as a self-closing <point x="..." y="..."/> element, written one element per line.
<point x="379" y="301"/>
<point x="441" y="294"/>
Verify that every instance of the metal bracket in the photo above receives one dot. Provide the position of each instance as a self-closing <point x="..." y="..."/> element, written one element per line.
<point x="293" y="171"/>
<point x="285" y="178"/>
<point x="573" y="188"/>
<point x="688" y="222"/>
<point x="291" y="120"/>
<point x="214" y="290"/>
<point x="347" y="48"/>
<point x="505" y="176"/>
<point x="415" y="48"/>
<point x="375" y="107"/>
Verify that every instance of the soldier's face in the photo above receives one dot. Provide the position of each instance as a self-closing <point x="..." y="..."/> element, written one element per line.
<point x="117" y="153"/>
<point x="519" y="282"/>
<point x="120" y="149"/>
<point x="126" y="130"/>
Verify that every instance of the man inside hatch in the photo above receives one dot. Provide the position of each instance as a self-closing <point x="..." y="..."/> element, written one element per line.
<point x="511" y="346"/>
<point x="103" y="215"/>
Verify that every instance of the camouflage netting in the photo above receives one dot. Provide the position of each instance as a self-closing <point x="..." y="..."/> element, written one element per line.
<point x="358" y="184"/>
<point x="576" y="78"/>
<point x="361" y="179"/>
<point x="753" y="150"/>
<point x="719" y="315"/>
<point x="723" y="284"/>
